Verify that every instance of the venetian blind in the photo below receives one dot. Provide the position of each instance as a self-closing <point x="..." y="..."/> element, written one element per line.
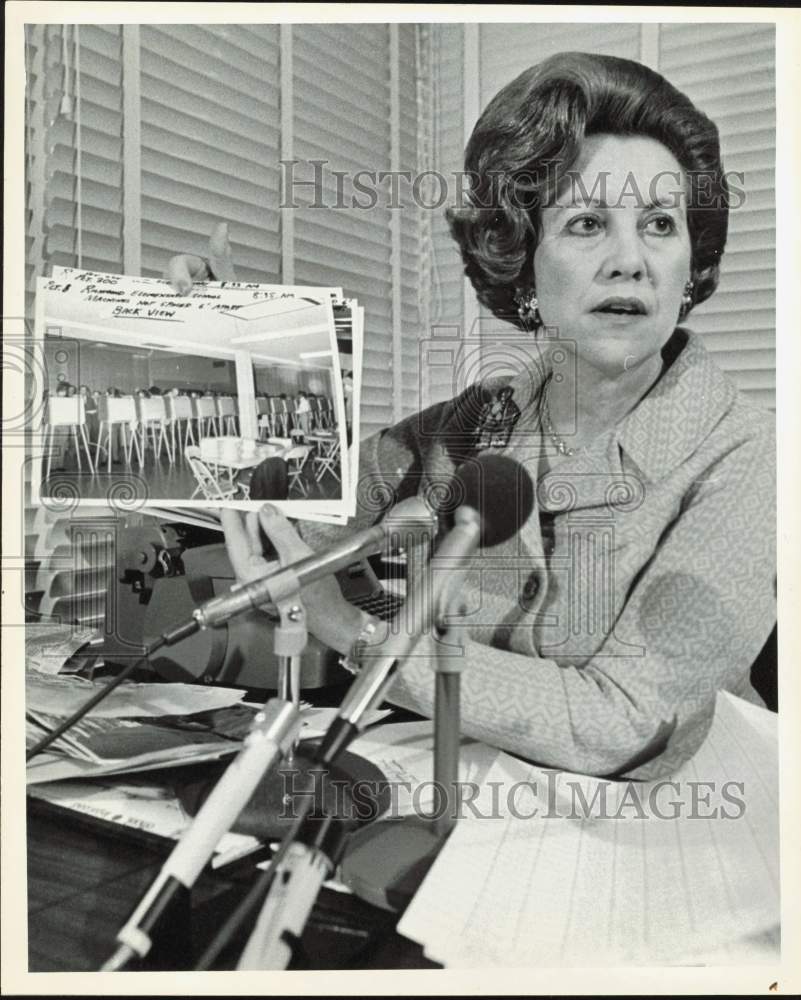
<point x="409" y="215"/>
<point x="341" y="225"/>
<point x="34" y="157"/>
<point x="447" y="305"/>
<point x="508" y="49"/>
<point x="82" y="222"/>
<point x="728" y="71"/>
<point x="210" y="135"/>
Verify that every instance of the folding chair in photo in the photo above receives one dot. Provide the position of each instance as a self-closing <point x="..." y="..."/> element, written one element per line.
<point x="208" y="487"/>
<point x="296" y="459"/>
<point x="327" y="460"/>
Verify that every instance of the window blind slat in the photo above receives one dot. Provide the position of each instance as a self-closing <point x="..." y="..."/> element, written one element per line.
<point x="210" y="100"/>
<point x="341" y="104"/>
<point x="88" y="234"/>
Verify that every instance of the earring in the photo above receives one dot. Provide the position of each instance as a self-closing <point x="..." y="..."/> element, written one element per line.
<point x="527" y="307"/>
<point x="686" y="299"/>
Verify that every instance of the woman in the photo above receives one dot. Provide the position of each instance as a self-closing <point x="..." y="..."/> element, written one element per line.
<point x="643" y="581"/>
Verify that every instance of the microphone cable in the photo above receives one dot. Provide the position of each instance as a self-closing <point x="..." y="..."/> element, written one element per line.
<point x="257" y="892"/>
<point x="96" y="698"/>
<point x="168" y="638"/>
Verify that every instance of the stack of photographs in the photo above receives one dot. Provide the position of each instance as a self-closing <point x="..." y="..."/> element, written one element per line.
<point x="235" y="394"/>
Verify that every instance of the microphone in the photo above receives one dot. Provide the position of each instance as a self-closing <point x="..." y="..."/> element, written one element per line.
<point x="408" y="523"/>
<point x="494" y="497"/>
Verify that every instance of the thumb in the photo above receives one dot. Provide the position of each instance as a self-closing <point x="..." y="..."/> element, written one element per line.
<point x="220" y="253"/>
<point x="285" y="540"/>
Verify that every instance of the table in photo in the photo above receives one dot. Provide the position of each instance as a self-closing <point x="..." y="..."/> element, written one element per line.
<point x="230" y="455"/>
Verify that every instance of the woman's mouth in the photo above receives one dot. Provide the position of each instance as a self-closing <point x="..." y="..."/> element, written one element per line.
<point x="621" y="307"/>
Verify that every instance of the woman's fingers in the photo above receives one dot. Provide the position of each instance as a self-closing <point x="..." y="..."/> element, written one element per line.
<point x="183" y="270"/>
<point x="220" y="253"/>
<point x="285" y="539"/>
<point x="239" y="545"/>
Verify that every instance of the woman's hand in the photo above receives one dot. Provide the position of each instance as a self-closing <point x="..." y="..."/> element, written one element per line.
<point x="329" y="617"/>
<point x="185" y="269"/>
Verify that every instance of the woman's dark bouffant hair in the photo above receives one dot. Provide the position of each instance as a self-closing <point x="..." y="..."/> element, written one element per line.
<point x="530" y="135"/>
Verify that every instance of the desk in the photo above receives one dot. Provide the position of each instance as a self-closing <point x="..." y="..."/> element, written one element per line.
<point x="84" y="879"/>
<point x="83" y="884"/>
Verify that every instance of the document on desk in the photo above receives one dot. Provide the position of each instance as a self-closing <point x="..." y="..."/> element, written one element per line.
<point x="62" y="695"/>
<point x="682" y="871"/>
<point x="140" y="805"/>
<point x="404" y="753"/>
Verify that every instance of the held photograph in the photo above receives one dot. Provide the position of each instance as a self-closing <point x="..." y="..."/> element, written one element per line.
<point x="251" y="409"/>
<point x="406" y="441"/>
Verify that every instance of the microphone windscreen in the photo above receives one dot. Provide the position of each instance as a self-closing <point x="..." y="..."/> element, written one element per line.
<point x="502" y="492"/>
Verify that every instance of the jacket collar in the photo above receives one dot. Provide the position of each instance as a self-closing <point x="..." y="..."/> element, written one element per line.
<point x="670" y="423"/>
<point x="665" y="428"/>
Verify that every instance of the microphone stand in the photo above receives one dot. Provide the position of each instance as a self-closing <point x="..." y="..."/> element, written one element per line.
<point x="386" y="862"/>
<point x="275" y="727"/>
<point x="273" y="735"/>
<point x="308" y="862"/>
<point x="321" y="841"/>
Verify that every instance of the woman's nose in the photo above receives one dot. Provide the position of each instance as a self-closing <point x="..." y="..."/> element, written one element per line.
<point x="625" y="254"/>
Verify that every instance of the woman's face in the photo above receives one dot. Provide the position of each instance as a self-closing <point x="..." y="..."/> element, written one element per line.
<point x="614" y="253"/>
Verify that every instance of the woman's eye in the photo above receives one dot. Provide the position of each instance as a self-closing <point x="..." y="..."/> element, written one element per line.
<point x="584" y="225"/>
<point x="661" y="225"/>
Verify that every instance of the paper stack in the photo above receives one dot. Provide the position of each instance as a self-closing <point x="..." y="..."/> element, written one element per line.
<point x="568" y="870"/>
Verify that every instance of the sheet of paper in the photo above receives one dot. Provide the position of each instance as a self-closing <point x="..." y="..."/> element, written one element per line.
<point x="149" y="308"/>
<point x="62" y="695"/>
<point x="49" y="767"/>
<point x="404" y="751"/>
<point x="53" y="767"/>
<point x="49" y="647"/>
<point x="656" y="875"/>
<point x="315" y="721"/>
<point x="138" y="805"/>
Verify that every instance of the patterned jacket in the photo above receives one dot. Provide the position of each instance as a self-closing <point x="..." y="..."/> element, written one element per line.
<point x="641" y="584"/>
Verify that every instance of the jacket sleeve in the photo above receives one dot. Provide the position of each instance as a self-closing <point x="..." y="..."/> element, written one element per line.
<point x="699" y="612"/>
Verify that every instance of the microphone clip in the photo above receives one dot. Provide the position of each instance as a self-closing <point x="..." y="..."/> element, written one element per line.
<point x="291" y="635"/>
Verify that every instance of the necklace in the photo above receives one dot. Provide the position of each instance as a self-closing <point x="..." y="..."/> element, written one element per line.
<point x="547" y="423"/>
